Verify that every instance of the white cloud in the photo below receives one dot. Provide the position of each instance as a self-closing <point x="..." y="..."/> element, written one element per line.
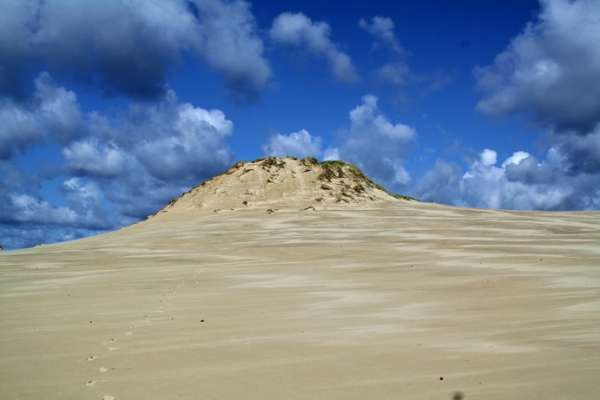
<point x="521" y="182"/>
<point x="18" y="238"/>
<point x="28" y="219"/>
<point x="515" y="159"/>
<point x="383" y="29"/>
<point x="128" y="47"/>
<point x="376" y="145"/>
<point x="88" y="157"/>
<point x="298" y="30"/>
<point x="488" y="157"/>
<point x="35" y="210"/>
<point x="19" y="131"/>
<point x="51" y="114"/>
<point x="372" y="142"/>
<point x="298" y="144"/>
<point x="232" y="46"/>
<point x="366" y="118"/>
<point x="86" y="199"/>
<point x="331" y="153"/>
<point x="550" y="71"/>
<point x="123" y="169"/>
<point x="396" y="73"/>
<point x="188" y="142"/>
<point x="154" y="154"/>
<point x="80" y="189"/>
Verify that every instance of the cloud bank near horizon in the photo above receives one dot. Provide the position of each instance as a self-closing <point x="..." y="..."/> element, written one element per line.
<point x="114" y="171"/>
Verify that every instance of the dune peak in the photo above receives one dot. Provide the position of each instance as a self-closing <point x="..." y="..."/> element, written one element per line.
<point x="283" y="183"/>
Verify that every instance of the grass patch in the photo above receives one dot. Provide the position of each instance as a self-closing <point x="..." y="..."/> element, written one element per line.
<point x="402" y="197"/>
<point x="358" y="188"/>
<point x="309" y="161"/>
<point x="272" y="162"/>
<point x="334" y="169"/>
<point x="340" y="169"/>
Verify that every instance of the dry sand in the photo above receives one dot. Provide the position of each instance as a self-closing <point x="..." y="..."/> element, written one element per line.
<point x="386" y="300"/>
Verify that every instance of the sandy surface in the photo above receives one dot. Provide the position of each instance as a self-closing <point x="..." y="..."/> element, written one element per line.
<point x="375" y="301"/>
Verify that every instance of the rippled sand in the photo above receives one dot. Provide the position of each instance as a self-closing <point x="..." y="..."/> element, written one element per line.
<point x="389" y="300"/>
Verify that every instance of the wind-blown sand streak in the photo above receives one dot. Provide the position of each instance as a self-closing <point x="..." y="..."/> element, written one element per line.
<point x="379" y="300"/>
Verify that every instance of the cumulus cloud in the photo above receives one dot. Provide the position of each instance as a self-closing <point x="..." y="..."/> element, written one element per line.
<point x="383" y="29"/>
<point x="331" y="153"/>
<point x="550" y="71"/>
<point x="127" y="47"/>
<point x="37" y="211"/>
<point x="88" y="157"/>
<point x="298" y="30"/>
<point x="52" y="113"/>
<point x="298" y="144"/>
<point x="120" y="170"/>
<point x="376" y="145"/>
<point x="168" y="144"/>
<point x="581" y="154"/>
<point x="28" y="219"/>
<point x="520" y="182"/>
<point x="231" y="45"/>
<point x="195" y="146"/>
<point x="372" y="142"/>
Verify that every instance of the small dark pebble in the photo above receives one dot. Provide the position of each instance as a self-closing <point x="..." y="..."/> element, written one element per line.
<point x="201" y="320"/>
<point x="441" y="378"/>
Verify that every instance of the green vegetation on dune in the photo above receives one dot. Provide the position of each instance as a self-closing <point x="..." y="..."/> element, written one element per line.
<point x="339" y="169"/>
<point x="332" y="169"/>
<point x="272" y="162"/>
<point x="403" y="197"/>
<point x="309" y="161"/>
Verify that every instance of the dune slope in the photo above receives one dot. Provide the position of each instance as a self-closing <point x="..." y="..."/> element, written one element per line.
<point x="287" y="297"/>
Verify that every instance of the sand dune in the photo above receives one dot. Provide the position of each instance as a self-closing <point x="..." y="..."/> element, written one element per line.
<point x="365" y="300"/>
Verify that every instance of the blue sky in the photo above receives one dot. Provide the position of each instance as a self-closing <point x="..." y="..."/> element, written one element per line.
<point x="109" y="109"/>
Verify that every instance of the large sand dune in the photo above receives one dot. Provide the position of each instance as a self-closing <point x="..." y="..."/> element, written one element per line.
<point x="374" y="299"/>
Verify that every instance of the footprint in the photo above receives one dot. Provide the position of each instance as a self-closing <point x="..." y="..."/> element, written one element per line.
<point x="129" y="333"/>
<point x="112" y="340"/>
<point x="102" y="369"/>
<point x="112" y="348"/>
<point x="90" y="383"/>
<point x="91" y="358"/>
<point x="107" y="397"/>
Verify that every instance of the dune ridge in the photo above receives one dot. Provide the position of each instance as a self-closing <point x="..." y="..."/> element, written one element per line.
<point x="287" y="183"/>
